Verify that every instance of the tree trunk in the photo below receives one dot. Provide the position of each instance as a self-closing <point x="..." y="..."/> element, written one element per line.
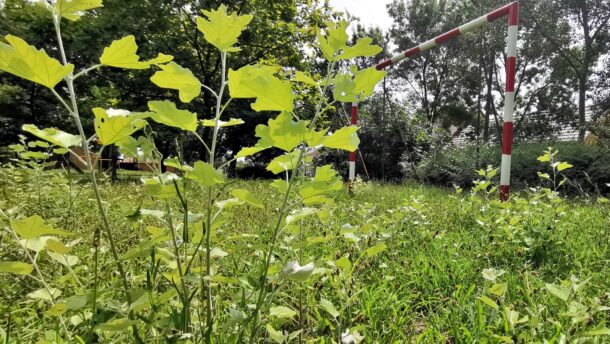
<point x="582" y="98"/>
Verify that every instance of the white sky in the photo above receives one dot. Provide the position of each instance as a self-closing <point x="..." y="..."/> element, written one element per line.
<point x="370" y="12"/>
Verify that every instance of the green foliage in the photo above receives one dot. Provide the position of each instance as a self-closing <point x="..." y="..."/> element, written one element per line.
<point x="589" y="173"/>
<point x="113" y="126"/>
<point x="27" y="62"/>
<point x="165" y="112"/>
<point x="122" y="53"/>
<point x="222" y="29"/>
<point x="176" y="77"/>
<point x="54" y="136"/>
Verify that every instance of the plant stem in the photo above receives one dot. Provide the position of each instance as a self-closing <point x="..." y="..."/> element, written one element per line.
<point x="76" y="117"/>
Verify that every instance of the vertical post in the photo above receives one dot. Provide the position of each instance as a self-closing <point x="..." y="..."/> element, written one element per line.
<point x="352" y="155"/>
<point x="509" y="100"/>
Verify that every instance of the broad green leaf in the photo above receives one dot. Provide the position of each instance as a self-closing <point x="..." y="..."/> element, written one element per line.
<point x="295" y="272"/>
<point x="271" y="93"/>
<point x="282" y="312"/>
<point x="356" y="87"/>
<point x="231" y="122"/>
<point x="315" y="138"/>
<point x="300" y="214"/>
<point x="55" y="136"/>
<point x="498" y="289"/>
<point x="56" y="246"/>
<point x="362" y="47"/>
<point x="27" y="62"/>
<point x="112" y="126"/>
<point x="175" y="77"/>
<point x="34" y="227"/>
<point x="247" y="196"/>
<point x="44" y="294"/>
<point x="160" y="186"/>
<point x="165" y="112"/>
<point x="546" y="157"/>
<point x="141" y="149"/>
<point x="335" y="39"/>
<point x="122" y="53"/>
<point x="304" y="78"/>
<point x="344" y="138"/>
<point x="18" y="268"/>
<point x="116" y="325"/>
<point x="563" y="166"/>
<point x="372" y="251"/>
<point x="275" y="335"/>
<point x="77" y="302"/>
<point x="205" y="174"/>
<point x="221" y="29"/>
<point x="284" y="133"/>
<point x="64" y="259"/>
<point x="558" y="290"/>
<point x="329" y="308"/>
<point x="486" y="300"/>
<point x="57" y="310"/>
<point x="283" y="163"/>
<point x="491" y="274"/>
<point x="73" y="9"/>
<point x="344" y="263"/>
<point x="247" y="151"/>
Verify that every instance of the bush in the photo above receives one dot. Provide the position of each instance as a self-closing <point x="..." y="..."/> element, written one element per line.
<point x="590" y="173"/>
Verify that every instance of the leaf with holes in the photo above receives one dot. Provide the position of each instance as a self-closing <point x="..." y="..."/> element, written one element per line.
<point x="112" y="126"/>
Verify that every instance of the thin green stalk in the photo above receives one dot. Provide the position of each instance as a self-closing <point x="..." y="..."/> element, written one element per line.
<point x="76" y="117"/>
<point x="291" y="181"/>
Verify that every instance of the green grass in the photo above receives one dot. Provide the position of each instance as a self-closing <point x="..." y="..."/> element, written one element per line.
<point x="426" y="286"/>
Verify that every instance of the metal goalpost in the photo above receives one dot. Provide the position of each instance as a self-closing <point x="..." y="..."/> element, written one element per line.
<point x="512" y="12"/>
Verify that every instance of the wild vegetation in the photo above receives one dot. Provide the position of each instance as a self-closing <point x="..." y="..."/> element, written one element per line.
<point x="186" y="254"/>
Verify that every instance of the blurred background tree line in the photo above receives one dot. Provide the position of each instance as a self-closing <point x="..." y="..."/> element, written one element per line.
<point x="437" y="105"/>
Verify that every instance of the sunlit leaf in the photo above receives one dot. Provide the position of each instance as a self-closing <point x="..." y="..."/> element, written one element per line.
<point x="175" y="77"/>
<point x="247" y="196"/>
<point x="18" y="268"/>
<point x="558" y="290"/>
<point x="295" y="272"/>
<point x="282" y="312"/>
<point x="64" y="259"/>
<point x="55" y="136"/>
<point x="222" y="29"/>
<point x="344" y="138"/>
<point x="34" y="227"/>
<point x="284" y="133"/>
<point x="255" y="81"/>
<point x="27" y="62"/>
<point x="563" y="166"/>
<point x="116" y="325"/>
<point x="283" y="163"/>
<point x="205" y="174"/>
<point x="329" y="308"/>
<point x="165" y="112"/>
<point x="122" y="53"/>
<point x="498" y="289"/>
<point x="486" y="300"/>
<point x="363" y="47"/>
<point x="229" y="123"/>
<point x="356" y="87"/>
<point x="492" y="274"/>
<point x="372" y="251"/>
<point x="304" y="78"/>
<point x="57" y="310"/>
<point x="74" y="9"/>
<point x="112" y="126"/>
<point x="56" y="246"/>
<point x="44" y="294"/>
<point x="275" y="335"/>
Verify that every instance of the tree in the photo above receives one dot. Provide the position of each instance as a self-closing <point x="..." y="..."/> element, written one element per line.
<point x="588" y="23"/>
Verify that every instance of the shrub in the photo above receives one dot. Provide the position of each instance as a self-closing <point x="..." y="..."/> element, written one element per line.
<point x="590" y="173"/>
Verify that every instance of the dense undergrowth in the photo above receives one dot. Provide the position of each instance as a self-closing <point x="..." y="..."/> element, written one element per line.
<point x="393" y="264"/>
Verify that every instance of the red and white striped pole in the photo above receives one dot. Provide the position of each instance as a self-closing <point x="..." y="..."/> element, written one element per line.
<point x="352" y="155"/>
<point x="509" y="100"/>
<point x="512" y="12"/>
